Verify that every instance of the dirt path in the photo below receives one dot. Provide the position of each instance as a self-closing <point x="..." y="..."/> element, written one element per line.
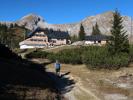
<point x="75" y="90"/>
<point x="92" y="85"/>
<point x="79" y="83"/>
<point x="79" y="92"/>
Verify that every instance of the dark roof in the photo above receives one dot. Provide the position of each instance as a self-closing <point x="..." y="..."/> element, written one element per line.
<point x="52" y="34"/>
<point x="97" y="37"/>
<point x="58" y="35"/>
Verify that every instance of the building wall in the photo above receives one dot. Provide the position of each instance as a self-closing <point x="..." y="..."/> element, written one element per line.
<point x="35" y="40"/>
<point x="40" y="40"/>
<point x="103" y="42"/>
<point x="89" y="42"/>
<point x="95" y="42"/>
<point x="59" y="41"/>
<point x="30" y="46"/>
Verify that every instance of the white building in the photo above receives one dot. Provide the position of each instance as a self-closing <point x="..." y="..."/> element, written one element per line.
<point x="96" y="40"/>
<point x="41" y="38"/>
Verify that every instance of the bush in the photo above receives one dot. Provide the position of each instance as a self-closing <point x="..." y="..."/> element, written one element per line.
<point x="99" y="57"/>
<point x="68" y="56"/>
<point x="93" y="56"/>
<point x="37" y="54"/>
<point x="52" y="57"/>
<point x="5" y="52"/>
<point x="131" y="53"/>
<point x="117" y="61"/>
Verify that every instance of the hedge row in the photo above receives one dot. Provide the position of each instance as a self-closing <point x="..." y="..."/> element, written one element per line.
<point x="99" y="57"/>
<point x="69" y="56"/>
<point x="92" y="56"/>
<point x="37" y="54"/>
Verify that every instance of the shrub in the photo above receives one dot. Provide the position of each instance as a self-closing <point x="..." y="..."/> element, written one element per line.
<point x="93" y="56"/>
<point x="131" y="53"/>
<point x="116" y="61"/>
<point x="99" y="57"/>
<point x="5" y="52"/>
<point x="68" y="56"/>
<point x="37" y="54"/>
<point x="52" y="57"/>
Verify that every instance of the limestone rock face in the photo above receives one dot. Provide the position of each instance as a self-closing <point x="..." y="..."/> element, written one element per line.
<point x="30" y="21"/>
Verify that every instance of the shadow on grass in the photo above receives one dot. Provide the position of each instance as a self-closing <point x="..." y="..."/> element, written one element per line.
<point x="26" y="75"/>
<point x="67" y="73"/>
<point x="63" y="84"/>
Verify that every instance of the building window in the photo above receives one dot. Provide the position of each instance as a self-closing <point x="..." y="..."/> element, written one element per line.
<point x="62" y="39"/>
<point x="40" y="40"/>
<point x="54" y="41"/>
<point x="99" y="41"/>
<point x="31" y="39"/>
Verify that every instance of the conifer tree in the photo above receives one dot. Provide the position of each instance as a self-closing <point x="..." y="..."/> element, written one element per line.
<point x="74" y="38"/>
<point x="95" y="30"/>
<point x="11" y="25"/>
<point x="81" y="33"/>
<point x="119" y="40"/>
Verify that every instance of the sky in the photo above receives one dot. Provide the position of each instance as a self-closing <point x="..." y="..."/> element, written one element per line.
<point x="61" y="11"/>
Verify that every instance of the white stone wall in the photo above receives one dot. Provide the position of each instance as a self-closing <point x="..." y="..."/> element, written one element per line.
<point x="59" y="41"/>
<point x="103" y="42"/>
<point x="89" y="42"/>
<point x="93" y="43"/>
<point x="30" y="47"/>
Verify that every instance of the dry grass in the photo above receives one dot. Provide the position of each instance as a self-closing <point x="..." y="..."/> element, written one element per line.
<point x="28" y="93"/>
<point x="111" y="89"/>
<point x="95" y="80"/>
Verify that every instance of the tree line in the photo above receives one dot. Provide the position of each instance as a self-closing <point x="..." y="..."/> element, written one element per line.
<point x="11" y="35"/>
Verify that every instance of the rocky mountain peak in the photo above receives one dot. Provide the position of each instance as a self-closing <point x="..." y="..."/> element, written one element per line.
<point x="30" y="21"/>
<point x="32" y="17"/>
<point x="109" y="13"/>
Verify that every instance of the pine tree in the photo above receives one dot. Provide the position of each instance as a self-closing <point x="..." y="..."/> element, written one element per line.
<point x="95" y="30"/>
<point x="119" y="40"/>
<point x="3" y="34"/>
<point x="81" y="33"/>
<point x="11" y="36"/>
<point x="74" y="38"/>
<point x="11" y="25"/>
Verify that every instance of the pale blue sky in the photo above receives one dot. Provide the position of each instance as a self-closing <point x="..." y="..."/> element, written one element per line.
<point x="61" y="11"/>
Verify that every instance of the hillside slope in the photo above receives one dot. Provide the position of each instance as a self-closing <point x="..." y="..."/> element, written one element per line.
<point x="22" y="79"/>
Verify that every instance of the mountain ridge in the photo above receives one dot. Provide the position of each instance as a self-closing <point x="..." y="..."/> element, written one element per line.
<point x="32" y="21"/>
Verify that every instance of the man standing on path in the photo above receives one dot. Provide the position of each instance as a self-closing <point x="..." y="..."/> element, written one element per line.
<point x="57" y="67"/>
